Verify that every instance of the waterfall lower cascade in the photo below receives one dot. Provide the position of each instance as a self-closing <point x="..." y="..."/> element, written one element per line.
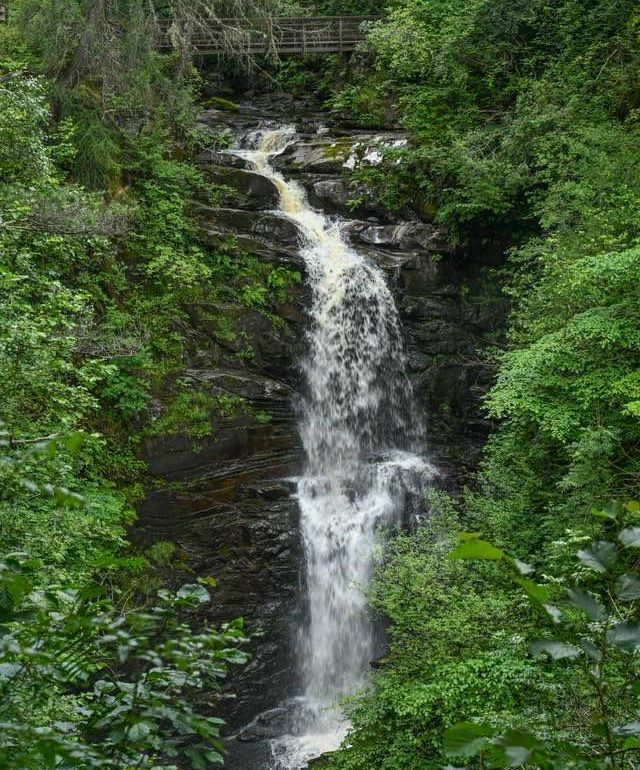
<point x="361" y="436"/>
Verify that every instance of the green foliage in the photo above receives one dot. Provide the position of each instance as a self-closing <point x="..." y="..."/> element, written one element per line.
<point x="23" y="113"/>
<point x="593" y="634"/>
<point x="345" y="7"/>
<point x="502" y="100"/>
<point x="545" y="678"/>
<point x="83" y="685"/>
<point x="94" y="293"/>
<point x="190" y="413"/>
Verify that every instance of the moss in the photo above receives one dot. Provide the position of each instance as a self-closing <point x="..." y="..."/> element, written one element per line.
<point x="340" y="148"/>
<point x="190" y="412"/>
<point x="218" y="103"/>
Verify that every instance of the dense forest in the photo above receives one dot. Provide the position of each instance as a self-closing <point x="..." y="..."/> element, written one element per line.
<point x="513" y="607"/>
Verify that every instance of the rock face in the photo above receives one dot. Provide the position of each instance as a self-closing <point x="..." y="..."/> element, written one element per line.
<point x="224" y="498"/>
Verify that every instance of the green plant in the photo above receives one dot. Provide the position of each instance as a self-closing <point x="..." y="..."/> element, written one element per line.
<point x="593" y="633"/>
<point x="82" y="685"/>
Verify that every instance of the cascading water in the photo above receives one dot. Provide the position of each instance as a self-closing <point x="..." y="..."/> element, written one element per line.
<point x="360" y="434"/>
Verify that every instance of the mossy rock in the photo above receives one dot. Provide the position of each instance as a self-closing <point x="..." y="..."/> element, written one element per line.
<point x="218" y="103"/>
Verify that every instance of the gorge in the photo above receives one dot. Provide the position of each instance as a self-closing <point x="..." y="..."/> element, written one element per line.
<point x="320" y="378"/>
<point x="377" y="347"/>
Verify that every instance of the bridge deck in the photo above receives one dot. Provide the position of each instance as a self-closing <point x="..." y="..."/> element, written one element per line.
<point x="286" y="35"/>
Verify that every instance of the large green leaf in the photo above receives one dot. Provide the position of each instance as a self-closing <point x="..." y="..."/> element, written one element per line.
<point x="519" y="747"/>
<point x="630" y="537"/>
<point x="600" y="557"/>
<point x="625" y="636"/>
<point x="584" y="601"/>
<point x="590" y="648"/>
<point x="553" y="612"/>
<point x="466" y="739"/>
<point x="627" y="587"/>
<point x="522" y="567"/>
<point x="555" y="649"/>
<point x="476" y="549"/>
<point x="534" y="591"/>
<point x="611" y="511"/>
<point x="194" y="592"/>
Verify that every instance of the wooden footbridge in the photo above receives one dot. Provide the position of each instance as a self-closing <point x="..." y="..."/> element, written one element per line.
<point x="282" y="35"/>
<point x="297" y="35"/>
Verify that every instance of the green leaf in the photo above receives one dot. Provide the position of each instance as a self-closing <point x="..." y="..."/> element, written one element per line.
<point x="555" y="649"/>
<point x="584" y="601"/>
<point x="518" y="747"/>
<point x="591" y="650"/>
<point x="630" y="537"/>
<point x="534" y="591"/>
<point x="611" y="511"/>
<point x="633" y="728"/>
<point x="74" y="441"/>
<point x="624" y="636"/>
<point x="194" y="592"/>
<point x="476" y="549"/>
<point x="553" y="612"/>
<point x="627" y="588"/>
<point x="466" y="739"/>
<point x="600" y="557"/>
<point x="522" y="567"/>
<point x="139" y="730"/>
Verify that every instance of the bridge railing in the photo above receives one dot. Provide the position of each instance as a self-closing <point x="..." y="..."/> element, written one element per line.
<point x="285" y="34"/>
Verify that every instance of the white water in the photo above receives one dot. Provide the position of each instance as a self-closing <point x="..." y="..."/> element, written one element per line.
<point x="360" y="435"/>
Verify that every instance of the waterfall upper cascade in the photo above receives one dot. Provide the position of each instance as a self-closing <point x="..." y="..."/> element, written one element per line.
<point x="361" y="438"/>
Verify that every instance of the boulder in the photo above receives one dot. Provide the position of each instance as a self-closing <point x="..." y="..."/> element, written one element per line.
<point x="275" y="227"/>
<point x="209" y="158"/>
<point x="334" y="154"/>
<point x="403" y="236"/>
<point x="250" y="190"/>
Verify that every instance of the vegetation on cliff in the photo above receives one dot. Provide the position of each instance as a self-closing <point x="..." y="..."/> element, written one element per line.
<point x="99" y="261"/>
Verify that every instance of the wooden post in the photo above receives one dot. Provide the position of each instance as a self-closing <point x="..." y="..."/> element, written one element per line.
<point x="304" y="39"/>
<point x="4" y="13"/>
<point x="340" y="34"/>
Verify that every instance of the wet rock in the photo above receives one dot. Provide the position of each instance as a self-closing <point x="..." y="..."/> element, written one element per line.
<point x="267" y="250"/>
<point x="208" y="158"/>
<point x="269" y="724"/>
<point x="247" y="756"/>
<point x="404" y="236"/>
<point x="251" y="190"/>
<point x="333" y="154"/>
<point x="262" y="223"/>
<point x="238" y="334"/>
<point x="330" y="193"/>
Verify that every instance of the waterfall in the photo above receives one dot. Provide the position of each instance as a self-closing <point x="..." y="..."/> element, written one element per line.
<point x="361" y="436"/>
